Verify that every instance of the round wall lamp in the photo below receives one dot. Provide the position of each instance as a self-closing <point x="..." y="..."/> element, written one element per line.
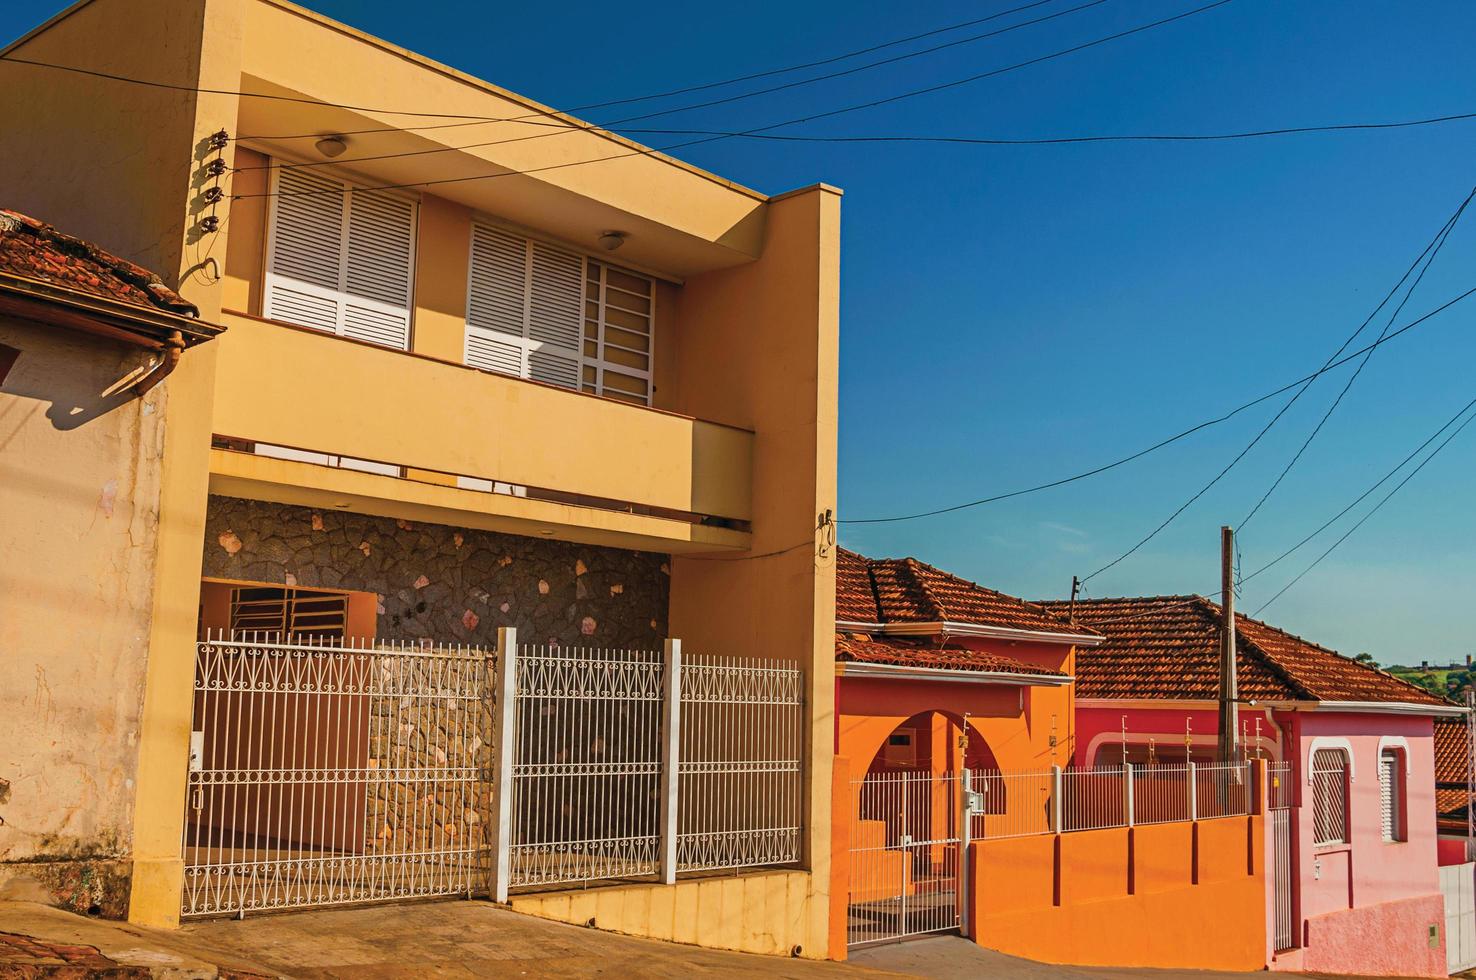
<point x="611" y="240"/>
<point x="331" y="145"/>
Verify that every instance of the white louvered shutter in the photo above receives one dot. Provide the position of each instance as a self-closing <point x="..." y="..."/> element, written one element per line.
<point x="1389" y="794"/>
<point x="523" y="308"/>
<point x="381" y="250"/>
<point x="340" y="260"/>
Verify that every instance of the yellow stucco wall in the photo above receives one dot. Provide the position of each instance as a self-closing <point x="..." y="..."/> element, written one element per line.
<point x="766" y="357"/>
<point x="747" y="342"/>
<point x="79" y="494"/>
<point x="765" y="912"/>
<point x="318" y="392"/>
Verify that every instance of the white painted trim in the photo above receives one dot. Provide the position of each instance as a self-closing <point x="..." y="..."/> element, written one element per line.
<point x="948" y="628"/>
<point x="1331" y="742"/>
<point x="852" y="668"/>
<point x="1380" y="707"/>
<point x="1395" y="742"/>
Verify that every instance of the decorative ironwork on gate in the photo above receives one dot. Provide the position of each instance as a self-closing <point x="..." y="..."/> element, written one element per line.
<point x="586" y="765"/>
<point x="330" y="773"/>
<point x="333" y="773"/>
<point x="739" y="774"/>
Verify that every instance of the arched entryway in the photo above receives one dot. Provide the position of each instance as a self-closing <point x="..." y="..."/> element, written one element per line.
<point x="909" y="829"/>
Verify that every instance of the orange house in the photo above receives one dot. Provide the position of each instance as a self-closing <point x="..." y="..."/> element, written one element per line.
<point x="935" y="675"/>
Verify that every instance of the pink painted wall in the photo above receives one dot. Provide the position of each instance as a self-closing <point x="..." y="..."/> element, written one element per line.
<point x="1367" y="906"/>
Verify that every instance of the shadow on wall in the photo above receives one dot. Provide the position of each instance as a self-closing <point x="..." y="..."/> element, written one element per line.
<point x="74" y="376"/>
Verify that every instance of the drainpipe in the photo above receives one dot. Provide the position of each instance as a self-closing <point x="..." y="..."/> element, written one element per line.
<point x="164" y="364"/>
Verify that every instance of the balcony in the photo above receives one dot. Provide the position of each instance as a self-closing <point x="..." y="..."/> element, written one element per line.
<point x="405" y="435"/>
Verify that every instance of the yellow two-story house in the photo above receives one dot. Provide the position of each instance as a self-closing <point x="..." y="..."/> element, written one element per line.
<point x="485" y="368"/>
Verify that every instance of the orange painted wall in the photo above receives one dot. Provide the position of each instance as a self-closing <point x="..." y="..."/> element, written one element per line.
<point x="840" y="854"/>
<point x="1170" y="896"/>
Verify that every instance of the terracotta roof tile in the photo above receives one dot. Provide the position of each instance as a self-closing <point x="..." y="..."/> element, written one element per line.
<point x="908" y="652"/>
<point x="31" y="249"/>
<point x="1452" y="750"/>
<point x="855" y="602"/>
<point x="1169" y="647"/>
<point x="905" y="590"/>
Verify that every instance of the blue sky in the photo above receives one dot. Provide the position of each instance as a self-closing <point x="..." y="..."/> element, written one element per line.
<point x="1011" y="315"/>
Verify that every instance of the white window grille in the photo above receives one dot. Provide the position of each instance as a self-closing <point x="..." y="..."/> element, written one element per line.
<point x="1329" y="796"/>
<point x="1391" y="799"/>
<point x="338" y="259"/>
<point x="538" y="311"/>
<point x="619" y="321"/>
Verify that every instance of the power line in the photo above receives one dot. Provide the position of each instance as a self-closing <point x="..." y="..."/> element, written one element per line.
<point x="1364" y="495"/>
<point x="564" y="128"/>
<point x="769" y="73"/>
<point x="1430" y="250"/>
<point x="472" y="120"/>
<point x="948" y="140"/>
<point x="1171" y="439"/>
<point x="1323" y="527"/>
<point x="1375" y="509"/>
<point x="1433" y="250"/>
<point x="1063" y="140"/>
<point x="647" y="151"/>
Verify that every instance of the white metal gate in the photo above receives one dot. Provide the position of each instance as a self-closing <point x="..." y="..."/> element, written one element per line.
<point x="909" y="835"/>
<point x="1458" y="886"/>
<point x="1279" y="805"/>
<point x="325" y="773"/>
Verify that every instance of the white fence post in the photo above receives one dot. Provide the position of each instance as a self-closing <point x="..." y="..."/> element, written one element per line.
<point x="1127" y="789"/>
<point x="671" y="752"/>
<point x="965" y="829"/>
<point x="1056" y="799"/>
<point x="504" y="731"/>
<point x="1193" y="792"/>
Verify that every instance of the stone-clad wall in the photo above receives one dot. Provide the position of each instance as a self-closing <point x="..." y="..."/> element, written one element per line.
<point x="443" y="583"/>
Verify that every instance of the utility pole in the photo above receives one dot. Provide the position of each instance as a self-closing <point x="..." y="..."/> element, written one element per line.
<point x="1071" y="610"/>
<point x="1229" y="689"/>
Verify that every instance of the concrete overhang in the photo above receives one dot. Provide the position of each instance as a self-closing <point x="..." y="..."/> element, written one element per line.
<point x="493" y="151"/>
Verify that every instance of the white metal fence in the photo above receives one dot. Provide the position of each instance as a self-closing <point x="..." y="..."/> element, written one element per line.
<point x="331" y="773"/>
<point x="632" y="763"/>
<point x="742" y="739"/>
<point x="586" y="769"/>
<point x="1018" y="804"/>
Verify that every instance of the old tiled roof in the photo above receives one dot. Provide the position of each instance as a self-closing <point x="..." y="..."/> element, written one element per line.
<point x="31" y="249"/>
<point x="1169" y="647"/>
<point x="855" y="602"/>
<point x="905" y="590"/>
<point x="1452" y="749"/>
<point x="910" y="652"/>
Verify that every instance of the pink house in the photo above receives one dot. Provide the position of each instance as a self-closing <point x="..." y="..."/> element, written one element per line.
<point x="1355" y="885"/>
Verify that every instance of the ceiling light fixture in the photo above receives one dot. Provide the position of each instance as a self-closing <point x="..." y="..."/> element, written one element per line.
<point x="611" y="240"/>
<point x="331" y="145"/>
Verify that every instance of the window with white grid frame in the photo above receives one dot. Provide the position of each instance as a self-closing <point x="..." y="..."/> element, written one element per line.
<point x="540" y="311"/>
<point x="1391" y="794"/>
<point x="340" y="260"/>
<point x="1329" y="796"/>
<point x="619" y="322"/>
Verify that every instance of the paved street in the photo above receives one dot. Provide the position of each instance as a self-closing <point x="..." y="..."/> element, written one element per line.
<point x="452" y="939"/>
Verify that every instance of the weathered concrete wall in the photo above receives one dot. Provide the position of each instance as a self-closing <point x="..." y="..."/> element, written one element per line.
<point x="79" y="497"/>
<point x="443" y="583"/>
